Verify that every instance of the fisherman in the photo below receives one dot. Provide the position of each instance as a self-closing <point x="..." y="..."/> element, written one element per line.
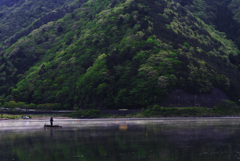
<point x="51" y="121"/>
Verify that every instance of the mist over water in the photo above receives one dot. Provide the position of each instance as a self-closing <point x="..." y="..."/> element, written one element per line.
<point x="165" y="139"/>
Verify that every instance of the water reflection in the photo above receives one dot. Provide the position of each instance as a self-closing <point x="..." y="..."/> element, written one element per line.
<point x="123" y="127"/>
<point x="169" y="139"/>
<point x="51" y="133"/>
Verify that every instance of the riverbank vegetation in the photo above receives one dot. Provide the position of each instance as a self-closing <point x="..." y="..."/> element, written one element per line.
<point x="225" y="108"/>
<point x="19" y="116"/>
<point x="22" y="105"/>
<point x="12" y="116"/>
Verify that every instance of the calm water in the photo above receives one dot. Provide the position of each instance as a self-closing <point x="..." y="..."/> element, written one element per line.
<point x="199" y="139"/>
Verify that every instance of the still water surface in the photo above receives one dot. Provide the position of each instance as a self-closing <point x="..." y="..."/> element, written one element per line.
<point x="193" y="139"/>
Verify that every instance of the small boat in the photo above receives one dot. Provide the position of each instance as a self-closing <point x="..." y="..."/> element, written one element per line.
<point x="54" y="126"/>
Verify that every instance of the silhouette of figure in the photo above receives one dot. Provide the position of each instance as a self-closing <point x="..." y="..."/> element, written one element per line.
<point x="51" y="121"/>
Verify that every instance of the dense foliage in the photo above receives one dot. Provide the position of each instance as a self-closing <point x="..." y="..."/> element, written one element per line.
<point x="223" y="15"/>
<point x="19" y="18"/>
<point x="120" y="54"/>
<point x="224" y="108"/>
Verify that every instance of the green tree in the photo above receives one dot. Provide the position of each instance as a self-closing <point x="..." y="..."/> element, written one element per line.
<point x="12" y="104"/>
<point x="32" y="105"/>
<point x="56" y="106"/>
<point x="6" y="104"/>
<point x="16" y="93"/>
<point x="122" y="98"/>
<point x="21" y="104"/>
<point x="49" y="106"/>
<point x="186" y="45"/>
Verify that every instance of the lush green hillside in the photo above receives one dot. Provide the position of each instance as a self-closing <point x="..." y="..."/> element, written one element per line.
<point x="234" y="7"/>
<point x="19" y="17"/>
<point x="119" y="54"/>
<point x="223" y="15"/>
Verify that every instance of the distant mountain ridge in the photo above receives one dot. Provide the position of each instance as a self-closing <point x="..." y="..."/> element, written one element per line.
<point x="118" y="53"/>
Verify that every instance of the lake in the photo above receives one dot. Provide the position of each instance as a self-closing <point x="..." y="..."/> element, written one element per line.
<point x="169" y="139"/>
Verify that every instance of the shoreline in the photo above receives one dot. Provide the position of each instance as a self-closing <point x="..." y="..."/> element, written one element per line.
<point x="121" y="119"/>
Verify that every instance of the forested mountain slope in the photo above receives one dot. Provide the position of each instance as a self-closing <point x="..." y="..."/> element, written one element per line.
<point x="115" y="54"/>
<point x="223" y="15"/>
<point x="19" y="17"/>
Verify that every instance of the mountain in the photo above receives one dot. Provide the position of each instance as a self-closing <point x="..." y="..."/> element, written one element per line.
<point x="119" y="53"/>
<point x="19" y="17"/>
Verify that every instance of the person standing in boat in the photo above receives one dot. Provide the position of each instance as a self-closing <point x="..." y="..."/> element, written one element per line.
<point x="51" y="121"/>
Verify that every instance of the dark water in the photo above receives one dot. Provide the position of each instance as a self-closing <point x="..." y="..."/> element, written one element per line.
<point x="211" y="139"/>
